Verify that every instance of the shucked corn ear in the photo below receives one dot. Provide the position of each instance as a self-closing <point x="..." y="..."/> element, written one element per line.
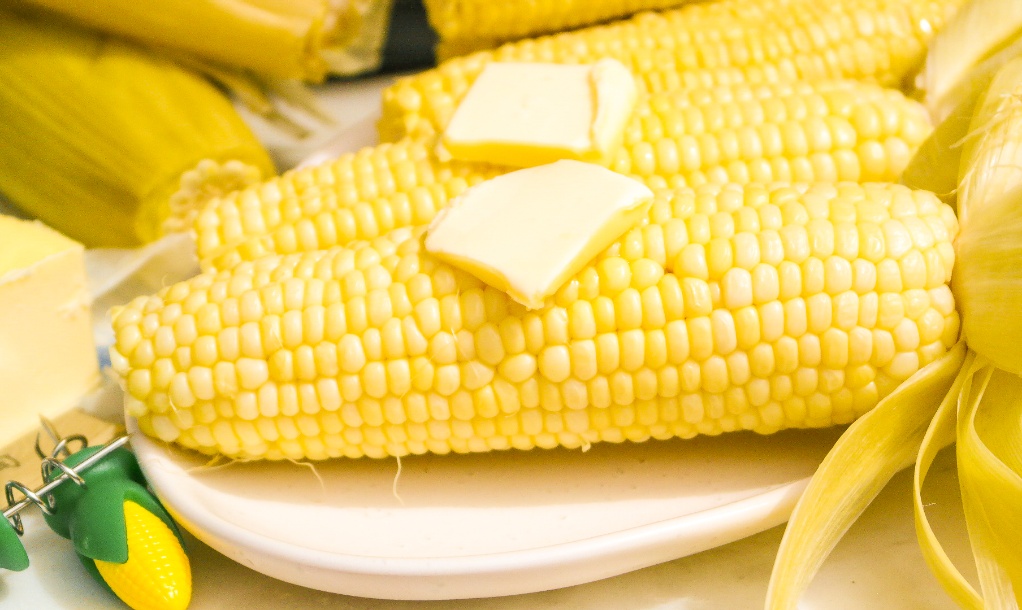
<point x="470" y="25"/>
<point x="731" y="308"/>
<point x="707" y="43"/>
<point x="97" y="135"/>
<point x="831" y="131"/>
<point x="303" y="39"/>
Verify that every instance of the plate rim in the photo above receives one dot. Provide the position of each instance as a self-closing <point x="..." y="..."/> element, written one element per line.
<point x="522" y="571"/>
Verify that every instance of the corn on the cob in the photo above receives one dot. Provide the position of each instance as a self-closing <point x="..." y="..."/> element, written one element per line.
<point x="699" y="45"/>
<point x="758" y="307"/>
<point x="464" y="26"/>
<point x="97" y="135"/>
<point x="302" y="39"/>
<point x="743" y="133"/>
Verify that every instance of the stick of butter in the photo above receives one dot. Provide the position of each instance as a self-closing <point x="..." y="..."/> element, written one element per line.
<point x="527" y="232"/>
<point x="47" y="355"/>
<point x="526" y="114"/>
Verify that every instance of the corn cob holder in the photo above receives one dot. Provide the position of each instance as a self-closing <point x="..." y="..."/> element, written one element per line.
<point x="96" y="497"/>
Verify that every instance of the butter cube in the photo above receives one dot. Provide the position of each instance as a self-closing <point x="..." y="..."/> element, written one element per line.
<point x="47" y="355"/>
<point x="526" y="114"/>
<point x="529" y="231"/>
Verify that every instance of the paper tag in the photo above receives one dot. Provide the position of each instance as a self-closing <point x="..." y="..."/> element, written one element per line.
<point x="19" y="462"/>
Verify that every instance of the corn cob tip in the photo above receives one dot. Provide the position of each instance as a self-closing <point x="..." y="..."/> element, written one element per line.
<point x="207" y="180"/>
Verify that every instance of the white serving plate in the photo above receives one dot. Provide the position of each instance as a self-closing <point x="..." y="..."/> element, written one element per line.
<point x="454" y="527"/>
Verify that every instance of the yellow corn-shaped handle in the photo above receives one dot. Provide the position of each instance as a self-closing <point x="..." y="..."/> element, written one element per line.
<point x="157" y="575"/>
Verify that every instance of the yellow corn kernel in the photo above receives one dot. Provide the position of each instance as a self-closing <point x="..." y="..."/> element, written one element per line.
<point x="348" y="205"/>
<point x="705" y="43"/>
<point x="731" y="355"/>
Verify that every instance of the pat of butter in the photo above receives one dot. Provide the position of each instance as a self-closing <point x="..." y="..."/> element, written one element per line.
<point x="526" y="114"/>
<point x="47" y="355"/>
<point x="529" y="231"/>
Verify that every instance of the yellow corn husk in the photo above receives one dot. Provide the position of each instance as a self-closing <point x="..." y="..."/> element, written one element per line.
<point x="981" y="409"/>
<point x="988" y="408"/>
<point x="302" y="39"/>
<point x="97" y="134"/>
<point x="729" y="308"/>
<point x="157" y="574"/>
<point x="972" y="403"/>
<point x="949" y="76"/>
<point x="991" y="155"/>
<point x="990" y="472"/>
<point x="464" y="26"/>
<point x="941" y="433"/>
<point x="934" y="167"/>
<point x="834" y="131"/>
<point x="854" y="472"/>
<point x="959" y="67"/>
<point x="988" y="284"/>
<point x="721" y="42"/>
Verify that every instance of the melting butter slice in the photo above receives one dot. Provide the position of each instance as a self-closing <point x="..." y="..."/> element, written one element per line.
<point x="47" y="355"/>
<point x="526" y="114"/>
<point x="529" y="231"/>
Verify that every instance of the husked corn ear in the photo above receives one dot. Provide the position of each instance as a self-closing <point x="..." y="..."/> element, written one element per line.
<point x="97" y="134"/>
<point x="730" y="308"/>
<point x="699" y="45"/>
<point x="299" y="39"/>
<point x="470" y="25"/>
<point x="827" y="132"/>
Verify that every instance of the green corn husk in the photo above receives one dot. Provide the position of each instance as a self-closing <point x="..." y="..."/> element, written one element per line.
<point x="295" y="39"/>
<point x="97" y="134"/>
